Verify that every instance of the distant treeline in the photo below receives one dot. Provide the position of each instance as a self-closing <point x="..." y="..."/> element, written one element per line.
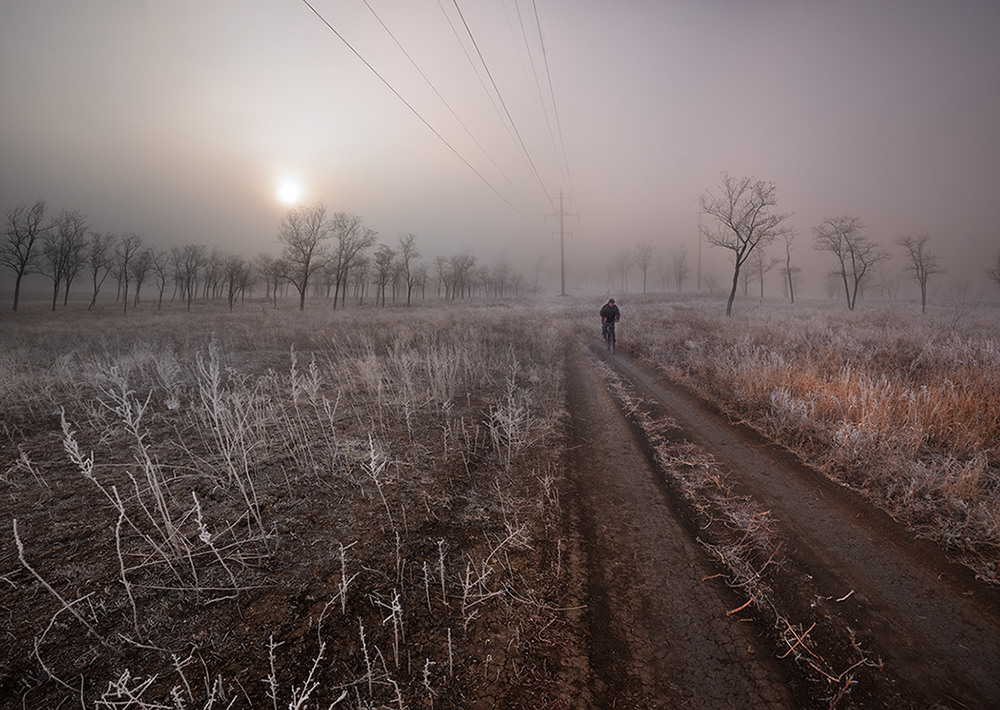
<point x="332" y="258"/>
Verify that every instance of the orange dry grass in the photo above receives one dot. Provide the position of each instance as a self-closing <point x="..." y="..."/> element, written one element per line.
<point x="904" y="407"/>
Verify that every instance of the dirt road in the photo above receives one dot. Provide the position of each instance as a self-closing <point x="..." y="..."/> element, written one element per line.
<point x="926" y="631"/>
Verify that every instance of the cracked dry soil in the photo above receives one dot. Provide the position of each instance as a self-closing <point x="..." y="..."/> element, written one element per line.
<point x="662" y="625"/>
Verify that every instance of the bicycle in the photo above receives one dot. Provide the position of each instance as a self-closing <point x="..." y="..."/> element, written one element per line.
<point x="608" y="333"/>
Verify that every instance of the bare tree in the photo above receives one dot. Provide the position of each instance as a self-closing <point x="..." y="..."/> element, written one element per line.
<point x="188" y="262"/>
<point x="98" y="258"/>
<point x="72" y="227"/>
<point x="539" y="265"/>
<point x="273" y="270"/>
<point x="18" y="252"/>
<point x="760" y="265"/>
<point x="327" y="277"/>
<point x="445" y="277"/>
<point x="126" y="253"/>
<point x="236" y="273"/>
<point x="352" y="239"/>
<point x="397" y="280"/>
<point x="889" y="285"/>
<point x="213" y="275"/>
<point x="610" y="271"/>
<point x="518" y="283"/>
<point x="993" y="271"/>
<point x="856" y="254"/>
<point x="743" y="221"/>
<point x="303" y="231"/>
<point x="51" y="262"/>
<point x="481" y="280"/>
<point x="678" y="265"/>
<point x="644" y="258"/>
<point x="160" y="266"/>
<point x="461" y="267"/>
<point x="383" y="263"/>
<point x="176" y="270"/>
<point x="623" y="265"/>
<point x="789" y="271"/>
<point x="359" y="271"/>
<point x="141" y="265"/>
<point x="248" y="279"/>
<point x="500" y="276"/>
<point x="420" y="276"/>
<point x="922" y="263"/>
<point x="407" y="253"/>
<point x="62" y="249"/>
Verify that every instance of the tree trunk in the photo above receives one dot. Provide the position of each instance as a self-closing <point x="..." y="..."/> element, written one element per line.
<point x="17" y="288"/>
<point x="732" y="292"/>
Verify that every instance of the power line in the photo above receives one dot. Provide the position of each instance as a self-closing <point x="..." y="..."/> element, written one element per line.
<point x="445" y="102"/>
<point x="416" y="113"/>
<point x="538" y="85"/>
<point x="475" y="68"/>
<point x="552" y="94"/>
<point x="510" y="118"/>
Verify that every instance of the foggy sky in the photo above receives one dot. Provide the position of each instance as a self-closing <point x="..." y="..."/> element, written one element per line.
<point x="179" y="118"/>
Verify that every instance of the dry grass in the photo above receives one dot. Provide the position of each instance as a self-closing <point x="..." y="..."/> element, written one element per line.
<point x="276" y="508"/>
<point x="746" y="541"/>
<point x="903" y="407"/>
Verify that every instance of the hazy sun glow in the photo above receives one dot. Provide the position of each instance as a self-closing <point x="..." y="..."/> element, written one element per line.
<point x="289" y="192"/>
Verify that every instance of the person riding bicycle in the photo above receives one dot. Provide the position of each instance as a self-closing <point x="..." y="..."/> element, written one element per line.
<point x="609" y="316"/>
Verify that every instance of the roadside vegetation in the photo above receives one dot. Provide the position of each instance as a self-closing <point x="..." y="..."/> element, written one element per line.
<point x="748" y="543"/>
<point x="903" y="407"/>
<point x="361" y="508"/>
<point x="281" y="509"/>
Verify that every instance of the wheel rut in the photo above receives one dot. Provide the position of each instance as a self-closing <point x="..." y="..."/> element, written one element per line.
<point x="659" y="634"/>
<point x="934" y="627"/>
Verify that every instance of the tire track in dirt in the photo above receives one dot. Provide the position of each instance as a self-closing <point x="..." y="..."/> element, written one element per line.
<point x="659" y="633"/>
<point x="935" y="626"/>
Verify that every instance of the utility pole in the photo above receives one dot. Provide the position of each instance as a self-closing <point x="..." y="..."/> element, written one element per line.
<point x="562" y="245"/>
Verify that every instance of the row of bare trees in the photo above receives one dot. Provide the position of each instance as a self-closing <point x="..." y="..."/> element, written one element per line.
<point x="333" y="250"/>
<point x="744" y="221"/>
<point x="857" y="255"/>
<point x="64" y="247"/>
<point x="674" y="269"/>
<point x="842" y="236"/>
<point x="326" y="256"/>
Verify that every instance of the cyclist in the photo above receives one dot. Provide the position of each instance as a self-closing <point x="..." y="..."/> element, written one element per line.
<point x="609" y="316"/>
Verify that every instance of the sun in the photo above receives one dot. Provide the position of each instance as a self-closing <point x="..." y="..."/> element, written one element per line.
<point x="289" y="192"/>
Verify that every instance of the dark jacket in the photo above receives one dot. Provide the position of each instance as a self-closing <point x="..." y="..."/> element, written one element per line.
<point x="610" y="313"/>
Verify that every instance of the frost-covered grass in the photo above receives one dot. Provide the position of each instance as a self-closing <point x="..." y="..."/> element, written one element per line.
<point x="902" y="406"/>
<point x="274" y="508"/>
